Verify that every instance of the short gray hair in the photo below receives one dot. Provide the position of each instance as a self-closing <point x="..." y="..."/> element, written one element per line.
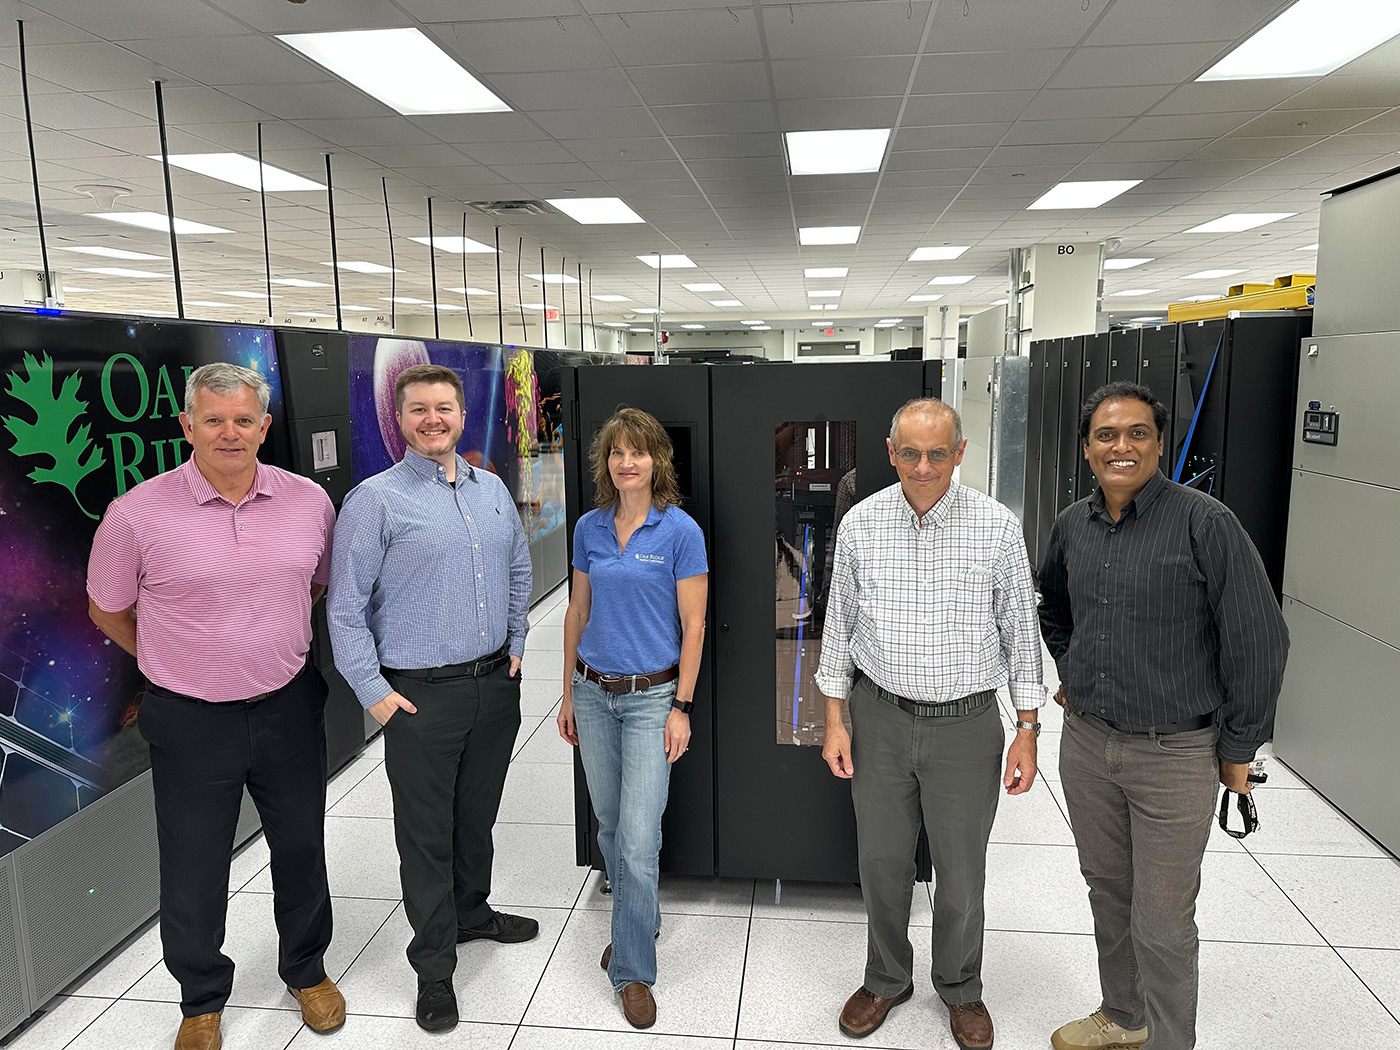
<point x="927" y="406"/>
<point x="225" y="379"/>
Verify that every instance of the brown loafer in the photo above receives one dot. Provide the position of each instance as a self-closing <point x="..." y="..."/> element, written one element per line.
<point x="638" y="1006"/>
<point x="865" y="1011"/>
<point x="322" y="1006"/>
<point x="607" y="956"/>
<point x="972" y="1025"/>
<point x="200" y="1033"/>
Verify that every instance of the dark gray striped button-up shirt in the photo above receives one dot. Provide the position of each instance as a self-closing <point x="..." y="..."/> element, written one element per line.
<point x="1164" y="615"/>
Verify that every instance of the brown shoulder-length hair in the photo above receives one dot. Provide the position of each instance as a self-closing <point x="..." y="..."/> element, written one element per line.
<point x="637" y="429"/>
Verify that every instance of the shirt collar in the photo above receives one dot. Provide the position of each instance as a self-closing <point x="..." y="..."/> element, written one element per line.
<point x="606" y="520"/>
<point x="1145" y="497"/>
<point x="203" y="492"/>
<point x="431" y="469"/>
<point x="937" y="514"/>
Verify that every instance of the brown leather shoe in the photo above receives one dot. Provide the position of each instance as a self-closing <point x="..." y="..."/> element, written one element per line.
<point x="200" y="1033"/>
<point x="638" y="1006"/>
<point x="322" y="1006"/>
<point x="972" y="1025"/>
<point x="865" y="1011"/>
<point x="607" y="956"/>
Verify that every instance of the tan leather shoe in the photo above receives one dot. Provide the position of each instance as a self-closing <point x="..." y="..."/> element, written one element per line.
<point x="1097" y="1032"/>
<point x="322" y="1006"/>
<point x="865" y="1011"/>
<point x="971" y="1024"/>
<point x="638" y="1006"/>
<point x="200" y="1033"/>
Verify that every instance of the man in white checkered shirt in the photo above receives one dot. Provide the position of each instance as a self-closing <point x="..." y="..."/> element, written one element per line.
<point x="931" y="610"/>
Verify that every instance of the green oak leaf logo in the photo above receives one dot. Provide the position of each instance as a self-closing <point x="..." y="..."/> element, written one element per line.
<point x="74" y="456"/>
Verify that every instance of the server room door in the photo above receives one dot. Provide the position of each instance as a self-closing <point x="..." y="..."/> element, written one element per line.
<point x="794" y="446"/>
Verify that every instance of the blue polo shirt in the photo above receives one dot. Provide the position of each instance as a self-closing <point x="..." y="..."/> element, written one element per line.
<point x="634" y="624"/>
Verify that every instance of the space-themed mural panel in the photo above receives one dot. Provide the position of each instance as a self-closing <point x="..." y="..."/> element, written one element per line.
<point x="89" y="407"/>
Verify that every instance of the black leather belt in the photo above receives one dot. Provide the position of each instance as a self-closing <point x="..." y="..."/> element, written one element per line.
<point x="170" y="694"/>
<point x="474" y="669"/>
<point x="950" y="709"/>
<point x="626" y="683"/>
<point x="1185" y="725"/>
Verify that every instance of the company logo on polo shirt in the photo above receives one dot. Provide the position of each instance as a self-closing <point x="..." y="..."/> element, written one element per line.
<point x="651" y="559"/>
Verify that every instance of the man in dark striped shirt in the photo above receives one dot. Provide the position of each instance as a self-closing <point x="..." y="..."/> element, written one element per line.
<point x="1170" y="647"/>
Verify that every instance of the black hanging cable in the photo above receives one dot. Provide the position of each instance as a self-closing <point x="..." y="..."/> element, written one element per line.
<point x="582" y="341"/>
<point x="432" y="269"/>
<point x="169" y="203"/>
<point x="466" y="298"/>
<point x="592" y="313"/>
<point x="393" y="272"/>
<point x="262" y="194"/>
<point x="544" y="295"/>
<point x="520" y="285"/>
<point x="34" y="168"/>
<point x="564" y="300"/>
<point x="335" y="257"/>
<point x="656" y="317"/>
<point x="500" y="304"/>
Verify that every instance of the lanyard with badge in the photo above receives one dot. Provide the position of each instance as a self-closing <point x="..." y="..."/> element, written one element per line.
<point x="1244" y="803"/>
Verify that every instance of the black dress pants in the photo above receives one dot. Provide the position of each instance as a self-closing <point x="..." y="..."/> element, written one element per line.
<point x="447" y="768"/>
<point x="202" y="756"/>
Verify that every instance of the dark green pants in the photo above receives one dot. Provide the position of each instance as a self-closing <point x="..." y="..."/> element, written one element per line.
<point x="949" y="771"/>
<point x="447" y="767"/>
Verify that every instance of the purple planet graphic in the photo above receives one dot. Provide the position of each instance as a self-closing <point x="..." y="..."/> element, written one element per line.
<point x="391" y="357"/>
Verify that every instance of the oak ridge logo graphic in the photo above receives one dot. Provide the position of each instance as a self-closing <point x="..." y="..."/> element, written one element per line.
<point x="74" y="455"/>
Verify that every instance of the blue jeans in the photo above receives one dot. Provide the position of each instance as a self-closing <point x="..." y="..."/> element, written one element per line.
<point x="621" y="740"/>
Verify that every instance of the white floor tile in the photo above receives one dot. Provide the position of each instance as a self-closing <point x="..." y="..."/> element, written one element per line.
<point x="1034" y="818"/>
<point x="831" y="902"/>
<point x="538" y="793"/>
<point x="371" y="797"/>
<point x="136" y="1025"/>
<point x="361" y="859"/>
<point x="345" y="781"/>
<point x="375" y="748"/>
<point x="494" y="982"/>
<point x="1353" y="901"/>
<point x="546" y="636"/>
<point x="248" y="862"/>
<point x="544" y="665"/>
<point x="682" y="895"/>
<point x="566" y="1039"/>
<point x="401" y="1033"/>
<point x="61" y="1022"/>
<point x="548" y="746"/>
<point x="1302" y="822"/>
<point x="535" y="867"/>
<point x="1380" y="969"/>
<point x="538" y="696"/>
<point x="1033" y="983"/>
<point x="123" y="968"/>
<point x="1257" y="995"/>
<point x="699" y="961"/>
<point x="251" y="942"/>
<point x="1047" y="755"/>
<point x="1239" y="902"/>
<point x="528" y="725"/>
<point x="1037" y="889"/>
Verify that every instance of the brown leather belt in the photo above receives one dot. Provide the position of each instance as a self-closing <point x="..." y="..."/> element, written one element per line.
<point x="471" y="669"/>
<point x="627" y="683"/>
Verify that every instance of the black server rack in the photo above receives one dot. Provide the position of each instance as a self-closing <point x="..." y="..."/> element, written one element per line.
<point x="1124" y="355"/>
<point x="1097" y="361"/>
<point x="1034" y="450"/>
<point x="1071" y="395"/>
<point x="1158" y="349"/>
<point x="1047" y="507"/>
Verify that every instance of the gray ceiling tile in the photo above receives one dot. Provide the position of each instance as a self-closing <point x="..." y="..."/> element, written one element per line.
<point x="229" y="60"/>
<point x="600" y="123"/>
<point x="630" y="150"/>
<point x="564" y="89"/>
<point x="1011" y="25"/>
<point x="986" y="71"/>
<point x="951" y="136"/>
<point x="481" y="127"/>
<point x="325" y="100"/>
<point x="835" y="114"/>
<point x="983" y="107"/>
<point x="674" y="85"/>
<point x="932" y="159"/>
<point x="502" y="47"/>
<point x="1314" y="122"/>
<point x="1229" y="96"/>
<point x="368" y="131"/>
<point x="710" y="35"/>
<point x="1078" y="103"/>
<point x="1050" y="132"/>
<point x="273" y="16"/>
<point x="845" y="27"/>
<point x="1126" y="65"/>
<point x="1235" y="147"/>
<point x="1182" y="21"/>
<point x="842" y="77"/>
<point x="1183" y="127"/>
<point x="722" y="119"/>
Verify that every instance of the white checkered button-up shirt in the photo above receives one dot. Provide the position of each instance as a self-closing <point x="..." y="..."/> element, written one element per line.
<point x="932" y="609"/>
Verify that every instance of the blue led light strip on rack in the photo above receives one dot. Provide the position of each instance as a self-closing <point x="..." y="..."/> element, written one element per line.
<point x="1196" y="415"/>
<point x="803" y="611"/>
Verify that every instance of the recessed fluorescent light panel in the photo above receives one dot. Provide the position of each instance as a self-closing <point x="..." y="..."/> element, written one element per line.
<point x="829" y="293"/>
<point x="1145" y="320"/>
<point x="1000" y="302"/>
<point x="596" y="211"/>
<point x="552" y="278"/>
<point x="836" y="152"/>
<point x="69" y="288"/>
<point x="828" y="234"/>
<point x="299" y="282"/>
<point x="693" y="327"/>
<point x="891" y="320"/>
<point x="947" y="251"/>
<point x="407" y="300"/>
<point x="401" y="68"/>
<point x="456" y="245"/>
<point x="119" y="271"/>
<point x="884" y="324"/>
<point x="538" y="306"/>
<point x="1136" y="291"/>
<point x="1210" y="275"/>
<point x="1310" y="39"/>
<point x="109" y="253"/>
<point x="667" y="262"/>
<point x="956" y="279"/>
<point x="725" y="302"/>
<point x="647" y="310"/>
<point x="703" y="287"/>
<point x="241" y="171"/>
<point x="923" y="298"/>
<point x="1077" y="196"/>
<point x="359" y="266"/>
<point x="826" y="271"/>
<point x="150" y="220"/>
<point x="1123" y="264"/>
<point x="196" y="302"/>
<point x="825" y="306"/>
<point x="249" y="295"/>
<point x="472" y="291"/>
<point x="761" y="328"/>
<point x="616" y="324"/>
<point x="612" y="298"/>
<point x="1240" y="222"/>
<point x="1306" y="248"/>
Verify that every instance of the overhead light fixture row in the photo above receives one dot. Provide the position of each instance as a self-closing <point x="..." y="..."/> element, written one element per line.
<point x="152" y="220"/>
<point x="1311" y="39"/>
<point x="611" y="298"/>
<point x="1124" y="264"/>
<point x="667" y="262"/>
<point x="947" y="251"/>
<point x="1080" y="196"/>
<point x="828" y="234"/>
<point x="105" y="252"/>
<point x="1210" y="275"/>
<point x="121" y="271"/>
<point x="360" y="266"/>
<point x="825" y="271"/>
<point x="552" y="278"/>
<point x="962" y="278"/>
<point x="457" y="245"/>
<point x="853" y="151"/>
<point x="240" y="171"/>
<point x="596" y="211"/>
<point x="1241" y="221"/>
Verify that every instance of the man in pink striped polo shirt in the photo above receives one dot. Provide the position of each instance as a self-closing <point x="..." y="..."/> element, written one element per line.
<point x="206" y="574"/>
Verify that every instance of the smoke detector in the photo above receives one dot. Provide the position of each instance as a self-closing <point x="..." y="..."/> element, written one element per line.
<point x="104" y="195"/>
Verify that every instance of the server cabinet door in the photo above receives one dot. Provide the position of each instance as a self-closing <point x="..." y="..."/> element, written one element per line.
<point x="1158" y="374"/>
<point x="1094" y="374"/>
<point x="1124" y="353"/>
<point x="1202" y="381"/>
<point x="793" y="446"/>
<point x="1071" y="455"/>
<point x="1053" y="367"/>
<point x="679" y="397"/>
<point x="1034" y="450"/>
<point x="933" y="379"/>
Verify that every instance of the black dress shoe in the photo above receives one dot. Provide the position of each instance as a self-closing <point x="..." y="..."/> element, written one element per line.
<point x="437" y="1006"/>
<point x="507" y="929"/>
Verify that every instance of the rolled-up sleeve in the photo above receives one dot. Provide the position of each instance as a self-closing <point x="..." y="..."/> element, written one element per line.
<point x="1013" y="607"/>
<point x="835" y="669"/>
<point x="358" y="547"/>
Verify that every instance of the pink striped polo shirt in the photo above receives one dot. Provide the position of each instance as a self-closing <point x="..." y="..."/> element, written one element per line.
<point x="222" y="592"/>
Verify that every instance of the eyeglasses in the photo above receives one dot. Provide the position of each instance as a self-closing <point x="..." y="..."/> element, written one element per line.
<point x="910" y="456"/>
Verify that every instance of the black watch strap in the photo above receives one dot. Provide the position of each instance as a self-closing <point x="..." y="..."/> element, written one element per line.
<point x="683" y="706"/>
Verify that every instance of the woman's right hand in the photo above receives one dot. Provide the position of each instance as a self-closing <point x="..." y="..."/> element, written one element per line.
<point x="568" y="728"/>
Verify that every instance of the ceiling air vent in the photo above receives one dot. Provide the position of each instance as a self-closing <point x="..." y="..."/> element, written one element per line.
<point x="509" y="209"/>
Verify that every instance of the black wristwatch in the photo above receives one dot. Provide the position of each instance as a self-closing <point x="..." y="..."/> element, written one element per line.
<point x="683" y="706"/>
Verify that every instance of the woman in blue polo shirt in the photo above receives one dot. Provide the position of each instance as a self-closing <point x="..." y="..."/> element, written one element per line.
<point x="632" y="639"/>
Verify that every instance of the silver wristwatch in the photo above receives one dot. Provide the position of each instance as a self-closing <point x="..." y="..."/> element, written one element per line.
<point x="1034" y="727"/>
